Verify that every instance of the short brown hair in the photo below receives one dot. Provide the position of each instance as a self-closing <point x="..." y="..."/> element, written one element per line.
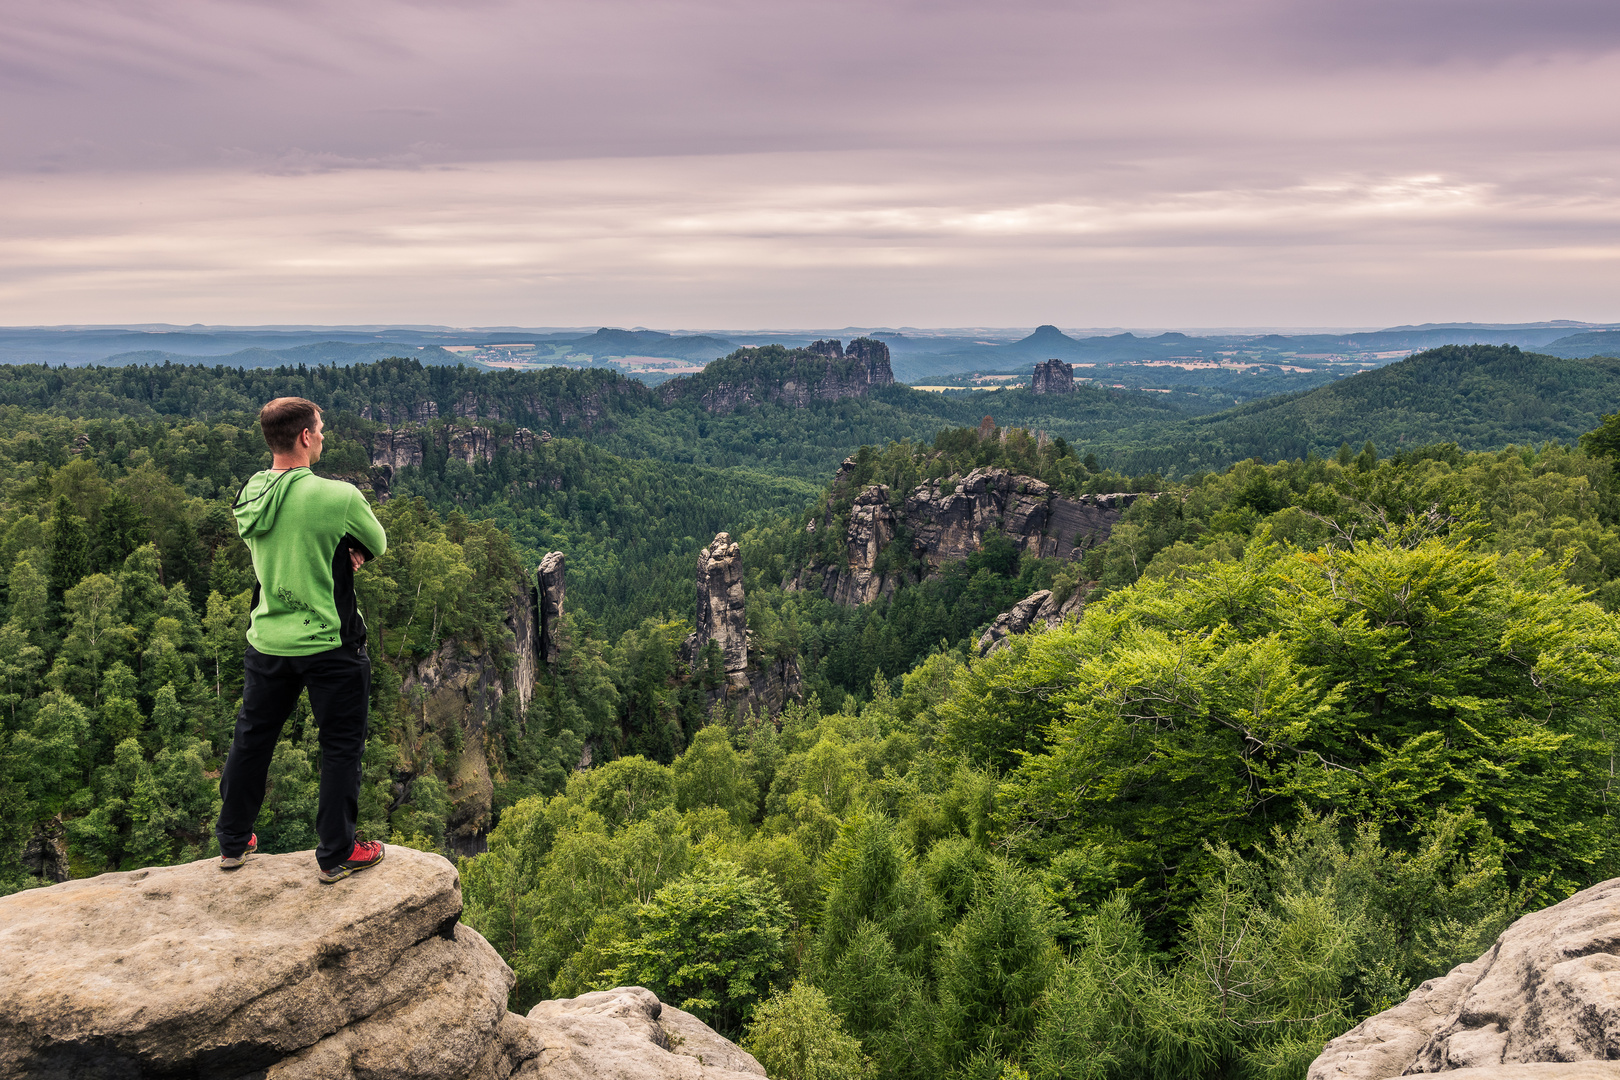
<point x="286" y="418"/>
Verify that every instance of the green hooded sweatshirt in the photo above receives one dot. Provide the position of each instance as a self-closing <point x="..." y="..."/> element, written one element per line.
<point x="300" y="528"/>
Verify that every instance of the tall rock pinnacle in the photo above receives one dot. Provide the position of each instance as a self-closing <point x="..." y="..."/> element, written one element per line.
<point x="720" y="614"/>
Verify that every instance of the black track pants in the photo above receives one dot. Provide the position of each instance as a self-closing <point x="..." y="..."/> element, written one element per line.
<point x="339" y="682"/>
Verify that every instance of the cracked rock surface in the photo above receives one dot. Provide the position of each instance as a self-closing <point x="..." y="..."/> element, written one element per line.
<point x="1543" y="1002"/>
<point x="265" y="973"/>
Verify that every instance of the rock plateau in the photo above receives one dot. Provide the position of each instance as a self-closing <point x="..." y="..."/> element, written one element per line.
<point x="825" y="371"/>
<point x="186" y="971"/>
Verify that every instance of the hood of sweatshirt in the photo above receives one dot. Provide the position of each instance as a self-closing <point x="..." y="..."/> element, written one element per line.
<point x="260" y="499"/>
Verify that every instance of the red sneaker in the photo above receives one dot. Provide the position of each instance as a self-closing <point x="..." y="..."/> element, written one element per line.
<point x="367" y="853"/>
<point x="234" y="862"/>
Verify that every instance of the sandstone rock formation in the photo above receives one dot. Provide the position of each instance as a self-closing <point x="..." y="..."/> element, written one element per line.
<point x="1543" y="1002"/>
<point x="627" y="1033"/>
<point x="871" y="527"/>
<point x="826" y="371"/>
<point x="1052" y="377"/>
<point x="395" y="449"/>
<point x="751" y="680"/>
<point x="550" y="605"/>
<point x="264" y="972"/>
<point x="720" y="615"/>
<point x="1036" y="609"/>
<point x="947" y="520"/>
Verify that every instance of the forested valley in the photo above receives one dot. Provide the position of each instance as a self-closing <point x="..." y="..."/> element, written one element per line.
<point x="1331" y="717"/>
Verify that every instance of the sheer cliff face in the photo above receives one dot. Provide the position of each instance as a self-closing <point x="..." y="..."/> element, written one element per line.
<point x="825" y="371"/>
<point x="1053" y="377"/>
<point x="401" y="448"/>
<point x="947" y="521"/>
<point x="462" y="686"/>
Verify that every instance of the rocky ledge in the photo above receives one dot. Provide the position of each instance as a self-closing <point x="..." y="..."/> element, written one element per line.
<point x="1037" y="609"/>
<point x="1544" y="1002"/>
<point x="189" y="971"/>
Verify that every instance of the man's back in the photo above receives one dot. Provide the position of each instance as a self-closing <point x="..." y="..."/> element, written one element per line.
<point x="300" y="528"/>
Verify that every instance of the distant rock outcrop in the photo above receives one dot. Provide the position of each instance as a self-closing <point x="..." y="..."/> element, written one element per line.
<point x="1052" y="377"/>
<point x="751" y="680"/>
<point x="1543" y="1002"/>
<point x="720" y="614"/>
<point x="825" y="371"/>
<point x="1036" y="609"/>
<point x="395" y="449"/>
<point x="264" y="972"/>
<point x="550" y="605"/>
<point x="947" y="520"/>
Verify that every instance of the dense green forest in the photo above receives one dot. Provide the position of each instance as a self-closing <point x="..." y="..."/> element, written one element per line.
<point x="1325" y="725"/>
<point x="1478" y="396"/>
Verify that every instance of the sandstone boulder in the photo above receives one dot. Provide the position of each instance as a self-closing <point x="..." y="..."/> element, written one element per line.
<point x="628" y="1033"/>
<point x="1543" y="1002"/>
<point x="188" y="971"/>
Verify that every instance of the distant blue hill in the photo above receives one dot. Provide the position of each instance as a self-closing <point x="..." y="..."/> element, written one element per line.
<point x="697" y="347"/>
<point x="1590" y="343"/>
<point x="320" y="353"/>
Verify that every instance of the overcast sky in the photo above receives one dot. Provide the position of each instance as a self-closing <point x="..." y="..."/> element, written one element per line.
<point x="768" y="163"/>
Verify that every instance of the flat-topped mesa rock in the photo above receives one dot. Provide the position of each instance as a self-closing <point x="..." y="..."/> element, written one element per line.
<point x="266" y="973"/>
<point x="1543" y="1002"/>
<point x="751" y="680"/>
<point x="461" y="684"/>
<point x="1052" y="377"/>
<point x="1038" y="609"/>
<point x="947" y="519"/>
<point x="824" y="371"/>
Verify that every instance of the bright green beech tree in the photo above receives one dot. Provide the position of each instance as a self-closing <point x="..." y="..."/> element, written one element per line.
<point x="1390" y="682"/>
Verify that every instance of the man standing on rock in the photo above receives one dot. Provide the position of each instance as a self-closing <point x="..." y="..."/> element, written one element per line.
<point x="308" y="535"/>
